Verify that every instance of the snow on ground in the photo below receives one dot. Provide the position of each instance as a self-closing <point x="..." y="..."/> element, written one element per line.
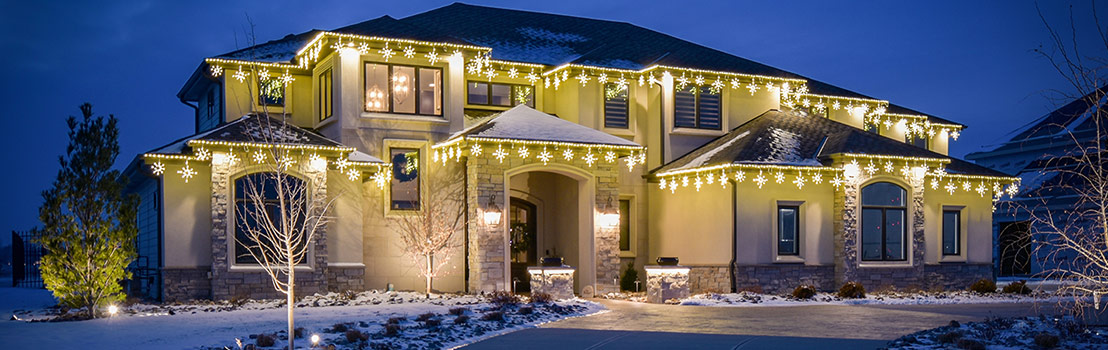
<point x="925" y="298"/>
<point x="215" y="325"/>
<point x="1008" y="333"/>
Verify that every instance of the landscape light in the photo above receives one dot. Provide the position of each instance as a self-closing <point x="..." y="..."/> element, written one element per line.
<point x="315" y="340"/>
<point x="112" y="310"/>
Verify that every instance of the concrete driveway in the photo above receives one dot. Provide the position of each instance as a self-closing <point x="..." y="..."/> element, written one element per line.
<point x="648" y="326"/>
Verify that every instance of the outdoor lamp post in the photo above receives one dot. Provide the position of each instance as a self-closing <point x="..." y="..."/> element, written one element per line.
<point x="492" y="213"/>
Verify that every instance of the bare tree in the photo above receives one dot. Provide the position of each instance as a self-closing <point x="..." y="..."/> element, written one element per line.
<point x="427" y="235"/>
<point x="1068" y="213"/>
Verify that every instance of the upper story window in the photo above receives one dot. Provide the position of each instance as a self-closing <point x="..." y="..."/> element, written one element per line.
<point x="326" y="84"/>
<point x="873" y="128"/>
<point x="403" y="89"/>
<point x="271" y="92"/>
<point x="952" y="232"/>
<point x="211" y="102"/>
<point x="258" y="212"/>
<point x="883" y="222"/>
<point x="404" y="187"/>
<point x="496" y="94"/>
<point x="696" y="107"/>
<point x="615" y="106"/>
<point x="916" y="140"/>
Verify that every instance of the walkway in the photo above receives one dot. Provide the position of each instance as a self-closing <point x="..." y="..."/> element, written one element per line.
<point x="645" y="326"/>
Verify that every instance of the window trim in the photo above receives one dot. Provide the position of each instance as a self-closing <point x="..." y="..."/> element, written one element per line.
<point x="633" y="226"/>
<point x="957" y="232"/>
<point x="796" y="229"/>
<point x="906" y="232"/>
<point x="511" y="94"/>
<point x="626" y="107"/>
<point x="232" y="225"/>
<point x="774" y="234"/>
<point x="386" y="199"/>
<point x="392" y="105"/>
<point x="696" y="110"/>
<point x="419" y="177"/>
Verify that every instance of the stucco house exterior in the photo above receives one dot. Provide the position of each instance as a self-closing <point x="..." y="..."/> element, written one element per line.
<point x="600" y="142"/>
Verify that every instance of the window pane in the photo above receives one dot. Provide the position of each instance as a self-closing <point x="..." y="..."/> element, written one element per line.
<point x="501" y="95"/>
<point x="917" y="141"/>
<point x="787" y="229"/>
<point x="271" y="92"/>
<point x="523" y="95"/>
<point x="615" y="106"/>
<point x="684" y="103"/>
<point x="376" y="87"/>
<point x="325" y="95"/>
<point x="951" y="228"/>
<point x="403" y="89"/>
<point x="709" y="109"/>
<point x="405" y="178"/>
<point x="624" y="225"/>
<point x="430" y="91"/>
<point x="894" y="234"/>
<point x="250" y="217"/>
<point x="871" y="234"/>
<point x="478" y="93"/>
<point x="883" y="194"/>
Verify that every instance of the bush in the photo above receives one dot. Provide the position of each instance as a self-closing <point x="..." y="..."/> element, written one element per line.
<point x="983" y="286"/>
<point x="434" y="322"/>
<point x="1046" y="340"/>
<point x="265" y="340"/>
<point x="339" y="327"/>
<point x="630" y="275"/>
<point x="425" y="317"/>
<point x="493" y="316"/>
<point x="354" y="335"/>
<point x="395" y="320"/>
<point x="1017" y="287"/>
<point x="503" y="298"/>
<point x="462" y="319"/>
<point x="852" y="290"/>
<point x="970" y="344"/>
<point x="526" y="310"/>
<point x="804" y="292"/>
<point x="458" y="311"/>
<point x="392" y="330"/>
<point x="751" y="289"/>
<point x="298" y="332"/>
<point x="541" y="298"/>
<point x="949" y="337"/>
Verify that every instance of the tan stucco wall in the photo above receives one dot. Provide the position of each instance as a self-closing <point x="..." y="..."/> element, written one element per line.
<point x="977" y="225"/>
<point x="344" y="234"/>
<point x="693" y="226"/>
<point x="757" y="222"/>
<point x="187" y="218"/>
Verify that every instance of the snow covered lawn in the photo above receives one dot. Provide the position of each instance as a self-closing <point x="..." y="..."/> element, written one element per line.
<point x="1008" y="333"/>
<point x="921" y="298"/>
<point x="215" y="325"/>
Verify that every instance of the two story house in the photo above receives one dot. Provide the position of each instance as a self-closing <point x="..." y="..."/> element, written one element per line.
<point x="600" y="142"/>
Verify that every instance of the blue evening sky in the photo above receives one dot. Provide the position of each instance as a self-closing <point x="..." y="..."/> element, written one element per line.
<point x="968" y="61"/>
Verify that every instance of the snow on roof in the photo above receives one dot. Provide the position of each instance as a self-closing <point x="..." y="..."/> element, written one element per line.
<point x="526" y="123"/>
<point x="358" y="156"/>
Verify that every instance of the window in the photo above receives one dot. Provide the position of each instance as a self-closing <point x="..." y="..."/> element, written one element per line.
<point x="271" y="92"/>
<point x="254" y="193"/>
<point x="494" y="94"/>
<point x="403" y="89"/>
<point x="873" y="128"/>
<point x="883" y="220"/>
<point x="916" y="140"/>
<point x="625" y="225"/>
<point x="696" y="107"/>
<point x="211" y="102"/>
<point x="404" y="187"/>
<point x="952" y="232"/>
<point x="615" y="106"/>
<point x="325" y="93"/>
<point x="788" y="230"/>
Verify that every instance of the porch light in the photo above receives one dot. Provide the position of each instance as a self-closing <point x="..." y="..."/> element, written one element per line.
<point x="492" y="213"/>
<point x="608" y="220"/>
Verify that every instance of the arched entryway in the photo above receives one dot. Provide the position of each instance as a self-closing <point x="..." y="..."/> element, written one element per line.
<point x="553" y="206"/>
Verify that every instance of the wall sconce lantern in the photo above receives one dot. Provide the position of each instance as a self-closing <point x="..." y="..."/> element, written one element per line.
<point x="492" y="213"/>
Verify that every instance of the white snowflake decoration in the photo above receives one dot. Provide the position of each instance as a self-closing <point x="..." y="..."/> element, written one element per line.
<point x="603" y="79"/>
<point x="513" y="73"/>
<point x="386" y="52"/>
<point x="888" y="166"/>
<point x="157" y="168"/>
<point x="740" y="176"/>
<point x="779" y="177"/>
<point x="363" y="49"/>
<point x="871" y="168"/>
<point x="817" y="178"/>
<point x="523" y="152"/>
<point x="500" y="154"/>
<point x="232" y="159"/>
<point x="409" y="52"/>
<point x="631" y="161"/>
<point x="662" y="184"/>
<point x="752" y="87"/>
<point x="187" y="172"/>
<point x="684" y="181"/>
<point x="698" y="183"/>
<point x="567" y="154"/>
<point x="259" y="156"/>
<point x="353" y="174"/>
<point x="545" y="156"/>
<point x="760" y="179"/>
<point x="950" y="187"/>
<point x="590" y="158"/>
<point x="240" y="75"/>
<point x="610" y="156"/>
<point x="837" y="181"/>
<point x="380" y="179"/>
<point x="475" y="150"/>
<point x="965" y="186"/>
<point x="532" y="77"/>
<point x="343" y="163"/>
<point x="699" y="80"/>
<point x="583" y="78"/>
<point x="203" y="154"/>
<point x="216" y="71"/>
<point x="433" y="56"/>
<point x="285" y="162"/>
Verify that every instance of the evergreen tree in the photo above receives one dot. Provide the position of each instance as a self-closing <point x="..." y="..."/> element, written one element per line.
<point x="89" y="227"/>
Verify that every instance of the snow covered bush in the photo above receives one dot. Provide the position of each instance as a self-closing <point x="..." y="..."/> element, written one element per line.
<point x="804" y="292"/>
<point x="503" y="298"/>
<point x="1018" y="287"/>
<point x="983" y="286"/>
<point x="852" y="290"/>
<point x="265" y="340"/>
<point x="541" y="298"/>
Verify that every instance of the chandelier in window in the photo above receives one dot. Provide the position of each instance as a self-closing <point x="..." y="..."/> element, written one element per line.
<point x="401" y="86"/>
<point x="375" y="98"/>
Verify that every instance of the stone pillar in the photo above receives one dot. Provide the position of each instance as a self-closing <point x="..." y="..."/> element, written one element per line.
<point x="846" y="233"/>
<point x="606" y="239"/>
<point x="666" y="282"/>
<point x="556" y="281"/>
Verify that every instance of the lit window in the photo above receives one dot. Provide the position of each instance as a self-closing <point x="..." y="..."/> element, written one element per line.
<point x="624" y="224"/>
<point x="495" y="94"/>
<point x="253" y="194"/>
<point x="403" y="89"/>
<point x="696" y="107"/>
<point x="405" y="179"/>
<point x="952" y="232"/>
<point x="615" y="106"/>
<point x="788" y="230"/>
<point x="325" y="93"/>
<point x="271" y="92"/>
<point x="883" y="222"/>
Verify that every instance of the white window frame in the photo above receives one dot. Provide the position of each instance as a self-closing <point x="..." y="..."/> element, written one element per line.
<point x="801" y="227"/>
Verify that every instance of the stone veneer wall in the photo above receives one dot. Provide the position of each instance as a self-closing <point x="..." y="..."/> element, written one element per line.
<point x="183" y="284"/>
<point x="245" y="283"/>
<point x="343" y="278"/>
<point x="783" y="278"/>
<point x="956" y="276"/>
<point x="705" y="279"/>
<point x="485" y="179"/>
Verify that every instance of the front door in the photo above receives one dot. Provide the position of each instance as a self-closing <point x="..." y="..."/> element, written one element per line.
<point x="521" y="242"/>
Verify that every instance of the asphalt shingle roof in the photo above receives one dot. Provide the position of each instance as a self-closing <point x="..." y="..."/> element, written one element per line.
<point x="794" y="138"/>
<point x="525" y="123"/>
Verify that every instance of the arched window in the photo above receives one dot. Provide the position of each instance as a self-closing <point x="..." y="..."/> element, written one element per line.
<point x="884" y="215"/>
<point x="260" y="190"/>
